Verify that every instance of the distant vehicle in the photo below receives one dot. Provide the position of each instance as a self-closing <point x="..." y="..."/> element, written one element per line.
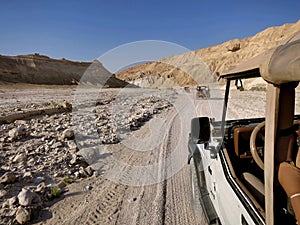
<point x="247" y="171"/>
<point x="202" y="92"/>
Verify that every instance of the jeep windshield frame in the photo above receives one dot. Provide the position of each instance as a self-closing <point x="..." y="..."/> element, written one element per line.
<point x="248" y="74"/>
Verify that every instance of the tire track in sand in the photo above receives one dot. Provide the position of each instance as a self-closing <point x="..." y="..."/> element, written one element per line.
<point x="167" y="202"/>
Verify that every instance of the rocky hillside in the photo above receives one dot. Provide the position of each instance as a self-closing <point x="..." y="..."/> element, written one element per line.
<point x="219" y="58"/>
<point x="39" y="69"/>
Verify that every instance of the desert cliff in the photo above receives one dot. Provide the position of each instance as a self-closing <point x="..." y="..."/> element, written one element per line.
<point x="220" y="59"/>
<point x="40" y="69"/>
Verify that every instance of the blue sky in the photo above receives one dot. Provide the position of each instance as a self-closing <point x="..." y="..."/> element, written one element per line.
<point x="84" y="30"/>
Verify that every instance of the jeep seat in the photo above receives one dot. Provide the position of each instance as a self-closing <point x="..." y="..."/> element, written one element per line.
<point x="241" y="137"/>
<point x="289" y="178"/>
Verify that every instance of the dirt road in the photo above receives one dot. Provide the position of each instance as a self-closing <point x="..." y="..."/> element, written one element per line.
<point x="146" y="183"/>
<point x="144" y="179"/>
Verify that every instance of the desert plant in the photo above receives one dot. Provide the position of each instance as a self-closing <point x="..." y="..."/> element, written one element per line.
<point x="68" y="180"/>
<point x="55" y="191"/>
<point x="54" y="104"/>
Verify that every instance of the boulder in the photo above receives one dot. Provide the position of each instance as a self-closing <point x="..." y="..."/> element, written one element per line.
<point x="22" y="215"/>
<point x="25" y="197"/>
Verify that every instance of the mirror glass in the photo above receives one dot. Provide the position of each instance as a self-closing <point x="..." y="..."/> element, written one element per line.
<point x="200" y="130"/>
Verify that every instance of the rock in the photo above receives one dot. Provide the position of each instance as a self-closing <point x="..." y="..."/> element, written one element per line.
<point x="89" y="170"/>
<point x="41" y="187"/>
<point x="78" y="160"/>
<point x="233" y="45"/>
<point x="77" y="174"/>
<point x="27" y="175"/>
<point x="25" y="197"/>
<point x="58" y="128"/>
<point x="21" y="122"/>
<point x="17" y="133"/>
<point x="38" y="180"/>
<point x="57" y="145"/>
<point x="49" y="196"/>
<point x="58" y="174"/>
<point x="72" y="145"/>
<point x="88" y="187"/>
<point x="82" y="172"/>
<point x="9" y="202"/>
<point x="5" y="204"/>
<point x="12" y="200"/>
<point x="51" y="142"/>
<point x="8" y="178"/>
<point x="7" y="212"/>
<point x="96" y="173"/>
<point x="20" y="158"/>
<point x="36" y="201"/>
<point x="3" y="193"/>
<point x="66" y="105"/>
<point x="31" y="161"/>
<point x="67" y="134"/>
<point x="22" y="215"/>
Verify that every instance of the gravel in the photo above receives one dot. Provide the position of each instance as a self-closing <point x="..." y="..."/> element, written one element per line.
<point x="39" y="156"/>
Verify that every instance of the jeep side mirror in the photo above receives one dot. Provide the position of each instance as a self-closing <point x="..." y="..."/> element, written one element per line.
<point x="200" y="130"/>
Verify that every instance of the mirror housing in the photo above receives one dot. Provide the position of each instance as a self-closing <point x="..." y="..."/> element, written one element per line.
<point x="200" y="130"/>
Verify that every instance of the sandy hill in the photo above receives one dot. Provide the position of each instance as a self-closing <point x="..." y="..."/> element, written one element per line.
<point x="40" y="69"/>
<point x="219" y="59"/>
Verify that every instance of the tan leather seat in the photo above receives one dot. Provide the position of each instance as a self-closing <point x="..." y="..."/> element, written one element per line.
<point x="289" y="178"/>
<point x="241" y="137"/>
<point x="288" y="173"/>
